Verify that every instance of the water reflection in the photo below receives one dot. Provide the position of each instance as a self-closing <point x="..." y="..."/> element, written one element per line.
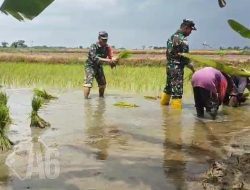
<point x="96" y="128"/>
<point x="191" y="145"/>
<point x="174" y="157"/>
<point x="4" y="171"/>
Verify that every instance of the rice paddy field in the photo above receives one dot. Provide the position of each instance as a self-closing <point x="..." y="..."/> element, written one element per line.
<point x="144" y="71"/>
<point x="94" y="144"/>
<point x="72" y="76"/>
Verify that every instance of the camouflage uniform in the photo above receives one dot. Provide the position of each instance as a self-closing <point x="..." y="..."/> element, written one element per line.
<point x="93" y="67"/>
<point x="175" y="64"/>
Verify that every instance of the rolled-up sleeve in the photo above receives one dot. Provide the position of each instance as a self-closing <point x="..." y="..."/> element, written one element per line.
<point x="110" y="52"/>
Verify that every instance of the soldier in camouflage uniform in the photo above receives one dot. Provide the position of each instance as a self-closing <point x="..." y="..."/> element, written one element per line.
<point x="99" y="53"/>
<point x="176" y="45"/>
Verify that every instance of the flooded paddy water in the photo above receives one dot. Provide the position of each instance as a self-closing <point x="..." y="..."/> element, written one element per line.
<point x="94" y="145"/>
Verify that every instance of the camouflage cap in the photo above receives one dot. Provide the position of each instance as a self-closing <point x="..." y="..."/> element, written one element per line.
<point x="189" y="23"/>
<point x="103" y="35"/>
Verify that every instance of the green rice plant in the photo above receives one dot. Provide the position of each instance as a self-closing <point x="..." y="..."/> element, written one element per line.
<point x="5" y="143"/>
<point x="136" y="52"/>
<point x="124" y="55"/>
<point x="151" y="97"/>
<point x="3" y="99"/>
<point x="125" y="78"/>
<point x="37" y="103"/>
<point x="145" y="80"/>
<point x="45" y="75"/>
<point x="43" y="94"/>
<point x="218" y="64"/>
<point x="137" y="79"/>
<point x="125" y="105"/>
<point x="39" y="98"/>
<point x="4" y="117"/>
<point x="36" y="120"/>
<point x="3" y="103"/>
<point x="142" y="62"/>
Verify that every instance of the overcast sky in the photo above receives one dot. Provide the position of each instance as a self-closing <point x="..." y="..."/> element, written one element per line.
<point x="130" y="23"/>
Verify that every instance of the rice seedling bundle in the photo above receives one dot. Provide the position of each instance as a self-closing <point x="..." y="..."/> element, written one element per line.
<point x="5" y="143"/>
<point x="40" y="97"/>
<point x="124" y="55"/>
<point x="43" y="94"/>
<point x="151" y="97"/>
<point x="36" y="120"/>
<point x="3" y="99"/>
<point x="125" y="105"/>
<point x="121" y="55"/>
<point x="218" y="64"/>
<point x="37" y="103"/>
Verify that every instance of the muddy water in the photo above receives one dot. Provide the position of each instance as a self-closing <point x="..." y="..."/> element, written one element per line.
<point x="92" y="144"/>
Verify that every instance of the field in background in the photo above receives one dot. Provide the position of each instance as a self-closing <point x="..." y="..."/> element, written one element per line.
<point x="139" y="57"/>
<point x="143" y="72"/>
<point x="124" y="78"/>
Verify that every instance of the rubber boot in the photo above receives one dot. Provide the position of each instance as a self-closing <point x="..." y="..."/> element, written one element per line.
<point x="176" y="104"/>
<point x="165" y="98"/>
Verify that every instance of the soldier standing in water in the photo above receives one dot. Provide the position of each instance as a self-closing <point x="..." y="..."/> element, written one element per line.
<point x="176" y="45"/>
<point x="99" y="53"/>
